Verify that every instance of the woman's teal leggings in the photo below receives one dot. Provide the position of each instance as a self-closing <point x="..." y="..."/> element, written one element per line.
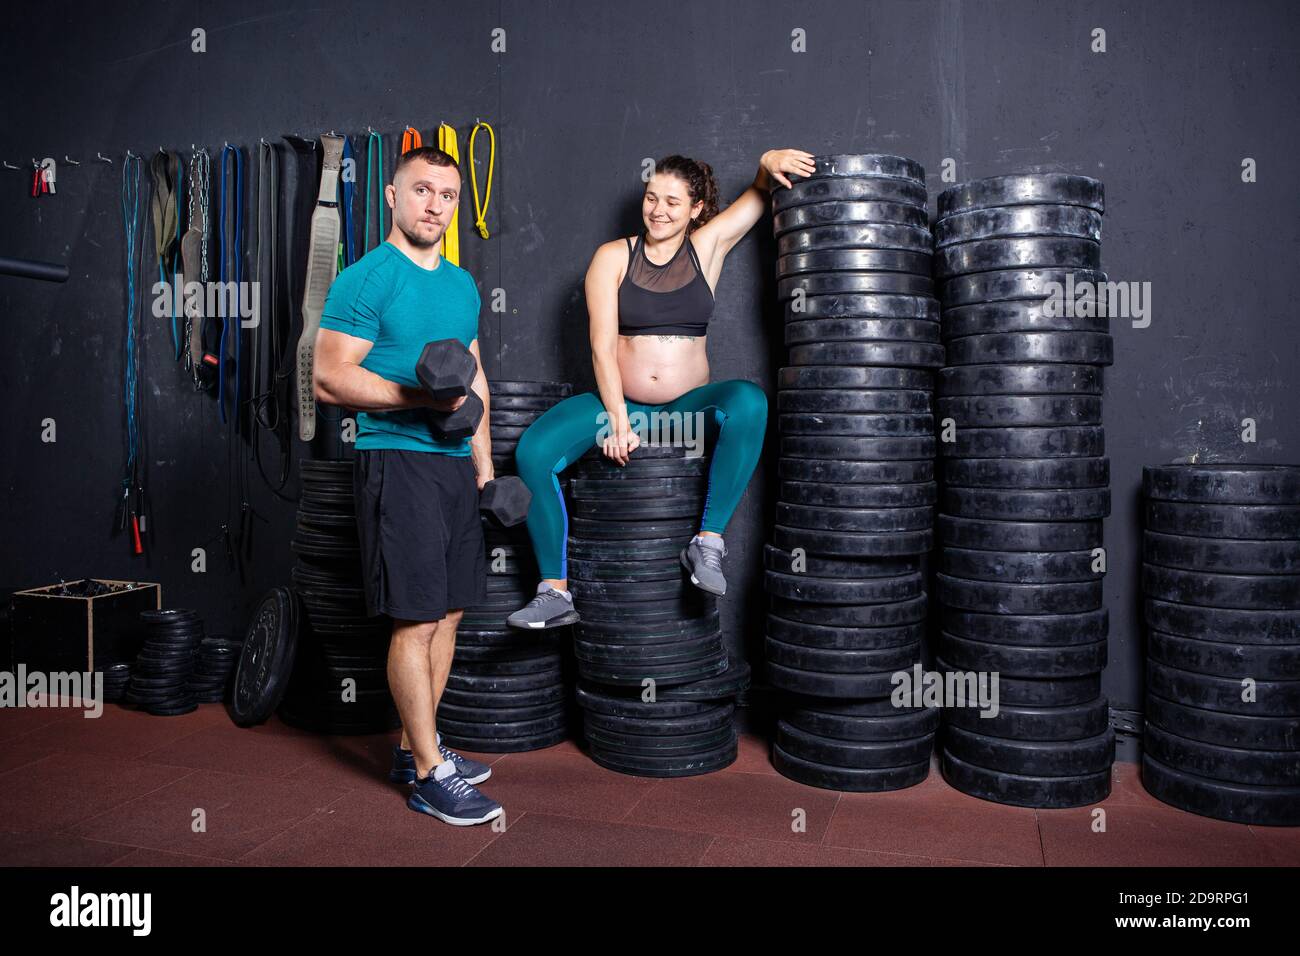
<point x="569" y="430"/>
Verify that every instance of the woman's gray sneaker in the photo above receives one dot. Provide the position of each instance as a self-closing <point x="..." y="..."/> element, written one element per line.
<point x="551" y="608"/>
<point x="703" y="559"/>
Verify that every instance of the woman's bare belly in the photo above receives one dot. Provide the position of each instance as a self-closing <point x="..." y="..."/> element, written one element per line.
<point x="659" y="368"/>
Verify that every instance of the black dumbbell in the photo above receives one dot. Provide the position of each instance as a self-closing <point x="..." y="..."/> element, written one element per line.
<point x="506" y="500"/>
<point x="446" y="370"/>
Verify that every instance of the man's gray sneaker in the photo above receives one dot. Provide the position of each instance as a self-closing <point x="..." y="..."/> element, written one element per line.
<point x="703" y="559"/>
<point x="551" y="608"/>
<point x="473" y="771"/>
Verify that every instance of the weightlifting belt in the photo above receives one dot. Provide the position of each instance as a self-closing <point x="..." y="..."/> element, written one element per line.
<point x="322" y="261"/>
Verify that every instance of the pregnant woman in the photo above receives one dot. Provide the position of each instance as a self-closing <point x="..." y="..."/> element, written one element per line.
<point x="650" y="298"/>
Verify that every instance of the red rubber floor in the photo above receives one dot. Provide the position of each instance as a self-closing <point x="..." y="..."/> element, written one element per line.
<point x="130" y="789"/>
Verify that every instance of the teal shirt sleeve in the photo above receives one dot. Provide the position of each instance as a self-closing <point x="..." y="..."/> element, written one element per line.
<point x="354" y="304"/>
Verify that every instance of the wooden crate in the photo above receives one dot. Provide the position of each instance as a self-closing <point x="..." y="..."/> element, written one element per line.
<point x="55" y="632"/>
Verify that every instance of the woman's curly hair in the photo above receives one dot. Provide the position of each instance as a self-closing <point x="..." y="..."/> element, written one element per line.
<point x="700" y="184"/>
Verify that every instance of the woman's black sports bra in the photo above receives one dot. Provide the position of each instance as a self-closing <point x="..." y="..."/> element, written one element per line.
<point x="671" y="299"/>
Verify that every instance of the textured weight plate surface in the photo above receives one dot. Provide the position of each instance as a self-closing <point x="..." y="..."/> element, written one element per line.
<point x="1023" y="790"/>
<point x="1252" y="592"/>
<point x="983" y="535"/>
<point x="1026" y="473"/>
<point x="842" y="638"/>
<point x="839" y="283"/>
<point x="1020" y="380"/>
<point x="1223" y="483"/>
<point x="814" y="590"/>
<point x="911" y="448"/>
<point x="1228" y="730"/>
<point x="854" y="260"/>
<point x="993" y="411"/>
<point x="1271" y="698"/>
<point x="1046" y="758"/>
<point x="1072" y="722"/>
<point x="853" y="545"/>
<point x="840" y="189"/>
<point x="835" y="471"/>
<point x="1062" y="504"/>
<point x="870" y="520"/>
<point x="1026" y="220"/>
<point x="1067" y="348"/>
<point x="864" y="306"/>
<point x="1023" y="189"/>
<point x="855" y="236"/>
<point x="1018" y="661"/>
<point x="848" y="780"/>
<point x="1018" y="567"/>
<point x="1239" y="803"/>
<point x="1224" y="659"/>
<point x="1219" y="624"/>
<point x="805" y="331"/>
<point x="914" y="495"/>
<point x="905" y="354"/>
<point x="835" y="213"/>
<point x="854" y="425"/>
<point x="775" y="559"/>
<point x="1221" y="555"/>
<point x="1251" y="522"/>
<point x="868" y="165"/>
<point x="839" y="376"/>
<point x="1031" y="630"/>
<point x="1017" y="315"/>
<point x="838" y="401"/>
<point x="1039" y="252"/>
<point x="1007" y="284"/>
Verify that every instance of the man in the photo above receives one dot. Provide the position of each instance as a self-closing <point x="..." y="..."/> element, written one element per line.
<point x="416" y="494"/>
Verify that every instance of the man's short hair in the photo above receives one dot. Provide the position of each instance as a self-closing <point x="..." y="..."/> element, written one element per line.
<point x="428" y="154"/>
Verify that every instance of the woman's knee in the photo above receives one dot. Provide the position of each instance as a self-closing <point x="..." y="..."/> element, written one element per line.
<point x="747" y="403"/>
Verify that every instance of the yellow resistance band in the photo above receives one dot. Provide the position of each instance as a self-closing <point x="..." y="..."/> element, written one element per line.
<point x="451" y="239"/>
<point x="480" y="212"/>
<point x="411" y="139"/>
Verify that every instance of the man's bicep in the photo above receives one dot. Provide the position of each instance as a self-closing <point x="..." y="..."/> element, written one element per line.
<point x="338" y="348"/>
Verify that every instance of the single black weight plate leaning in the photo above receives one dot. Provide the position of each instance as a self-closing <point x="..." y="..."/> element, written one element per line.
<point x="1241" y="484"/>
<point x="1020" y="380"/>
<point x="1027" y="220"/>
<point x="266" y="659"/>
<point x="1023" y="189"/>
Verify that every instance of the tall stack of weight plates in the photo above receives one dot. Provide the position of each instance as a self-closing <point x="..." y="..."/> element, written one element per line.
<point x="1221" y="575"/>
<point x="340" y="671"/>
<point x="657" y="686"/>
<point x="506" y="690"/>
<point x="1025" y="486"/>
<point x="855" y="512"/>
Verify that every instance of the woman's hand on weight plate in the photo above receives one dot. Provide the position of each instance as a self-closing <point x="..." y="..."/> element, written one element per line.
<point x="619" y="444"/>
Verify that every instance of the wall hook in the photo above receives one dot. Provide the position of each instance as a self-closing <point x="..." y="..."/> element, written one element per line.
<point x="70" y="161"/>
<point x="102" y="158"/>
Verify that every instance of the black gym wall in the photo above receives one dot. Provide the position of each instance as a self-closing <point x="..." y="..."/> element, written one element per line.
<point x="582" y="94"/>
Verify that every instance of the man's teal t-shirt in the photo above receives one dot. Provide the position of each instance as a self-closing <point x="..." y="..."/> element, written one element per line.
<point x="387" y="299"/>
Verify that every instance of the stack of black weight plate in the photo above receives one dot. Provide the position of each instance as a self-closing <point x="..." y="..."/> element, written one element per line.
<point x="160" y="676"/>
<point x="506" y="691"/>
<point x="117" y="680"/>
<point x="1221" y="575"/>
<point x="657" y="684"/>
<point x="855" y="512"/>
<point x="1025" y="486"/>
<point x="340" y="673"/>
<point x="214" y="667"/>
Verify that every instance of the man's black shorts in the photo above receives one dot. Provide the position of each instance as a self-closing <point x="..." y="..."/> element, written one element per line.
<point x="421" y="534"/>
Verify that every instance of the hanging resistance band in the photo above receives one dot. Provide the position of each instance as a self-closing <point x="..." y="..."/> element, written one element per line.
<point x="347" y="190"/>
<point x="411" y="140"/>
<point x="194" y="259"/>
<point x="322" y="257"/>
<point x="231" y="271"/>
<point x="451" y="238"/>
<point x="164" y="171"/>
<point x="131" y="510"/>
<point x="374" y="185"/>
<point x="480" y="212"/>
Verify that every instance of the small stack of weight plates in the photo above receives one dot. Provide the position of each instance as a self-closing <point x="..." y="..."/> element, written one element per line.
<point x="1025" y="486"/>
<point x="160" y="676"/>
<point x="340" y="668"/>
<point x="214" y="666"/>
<point x="1221" y="575"/>
<point x="506" y="691"/>
<point x="117" y="679"/>
<point x="657" y="684"/>
<point x="855" y="512"/>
